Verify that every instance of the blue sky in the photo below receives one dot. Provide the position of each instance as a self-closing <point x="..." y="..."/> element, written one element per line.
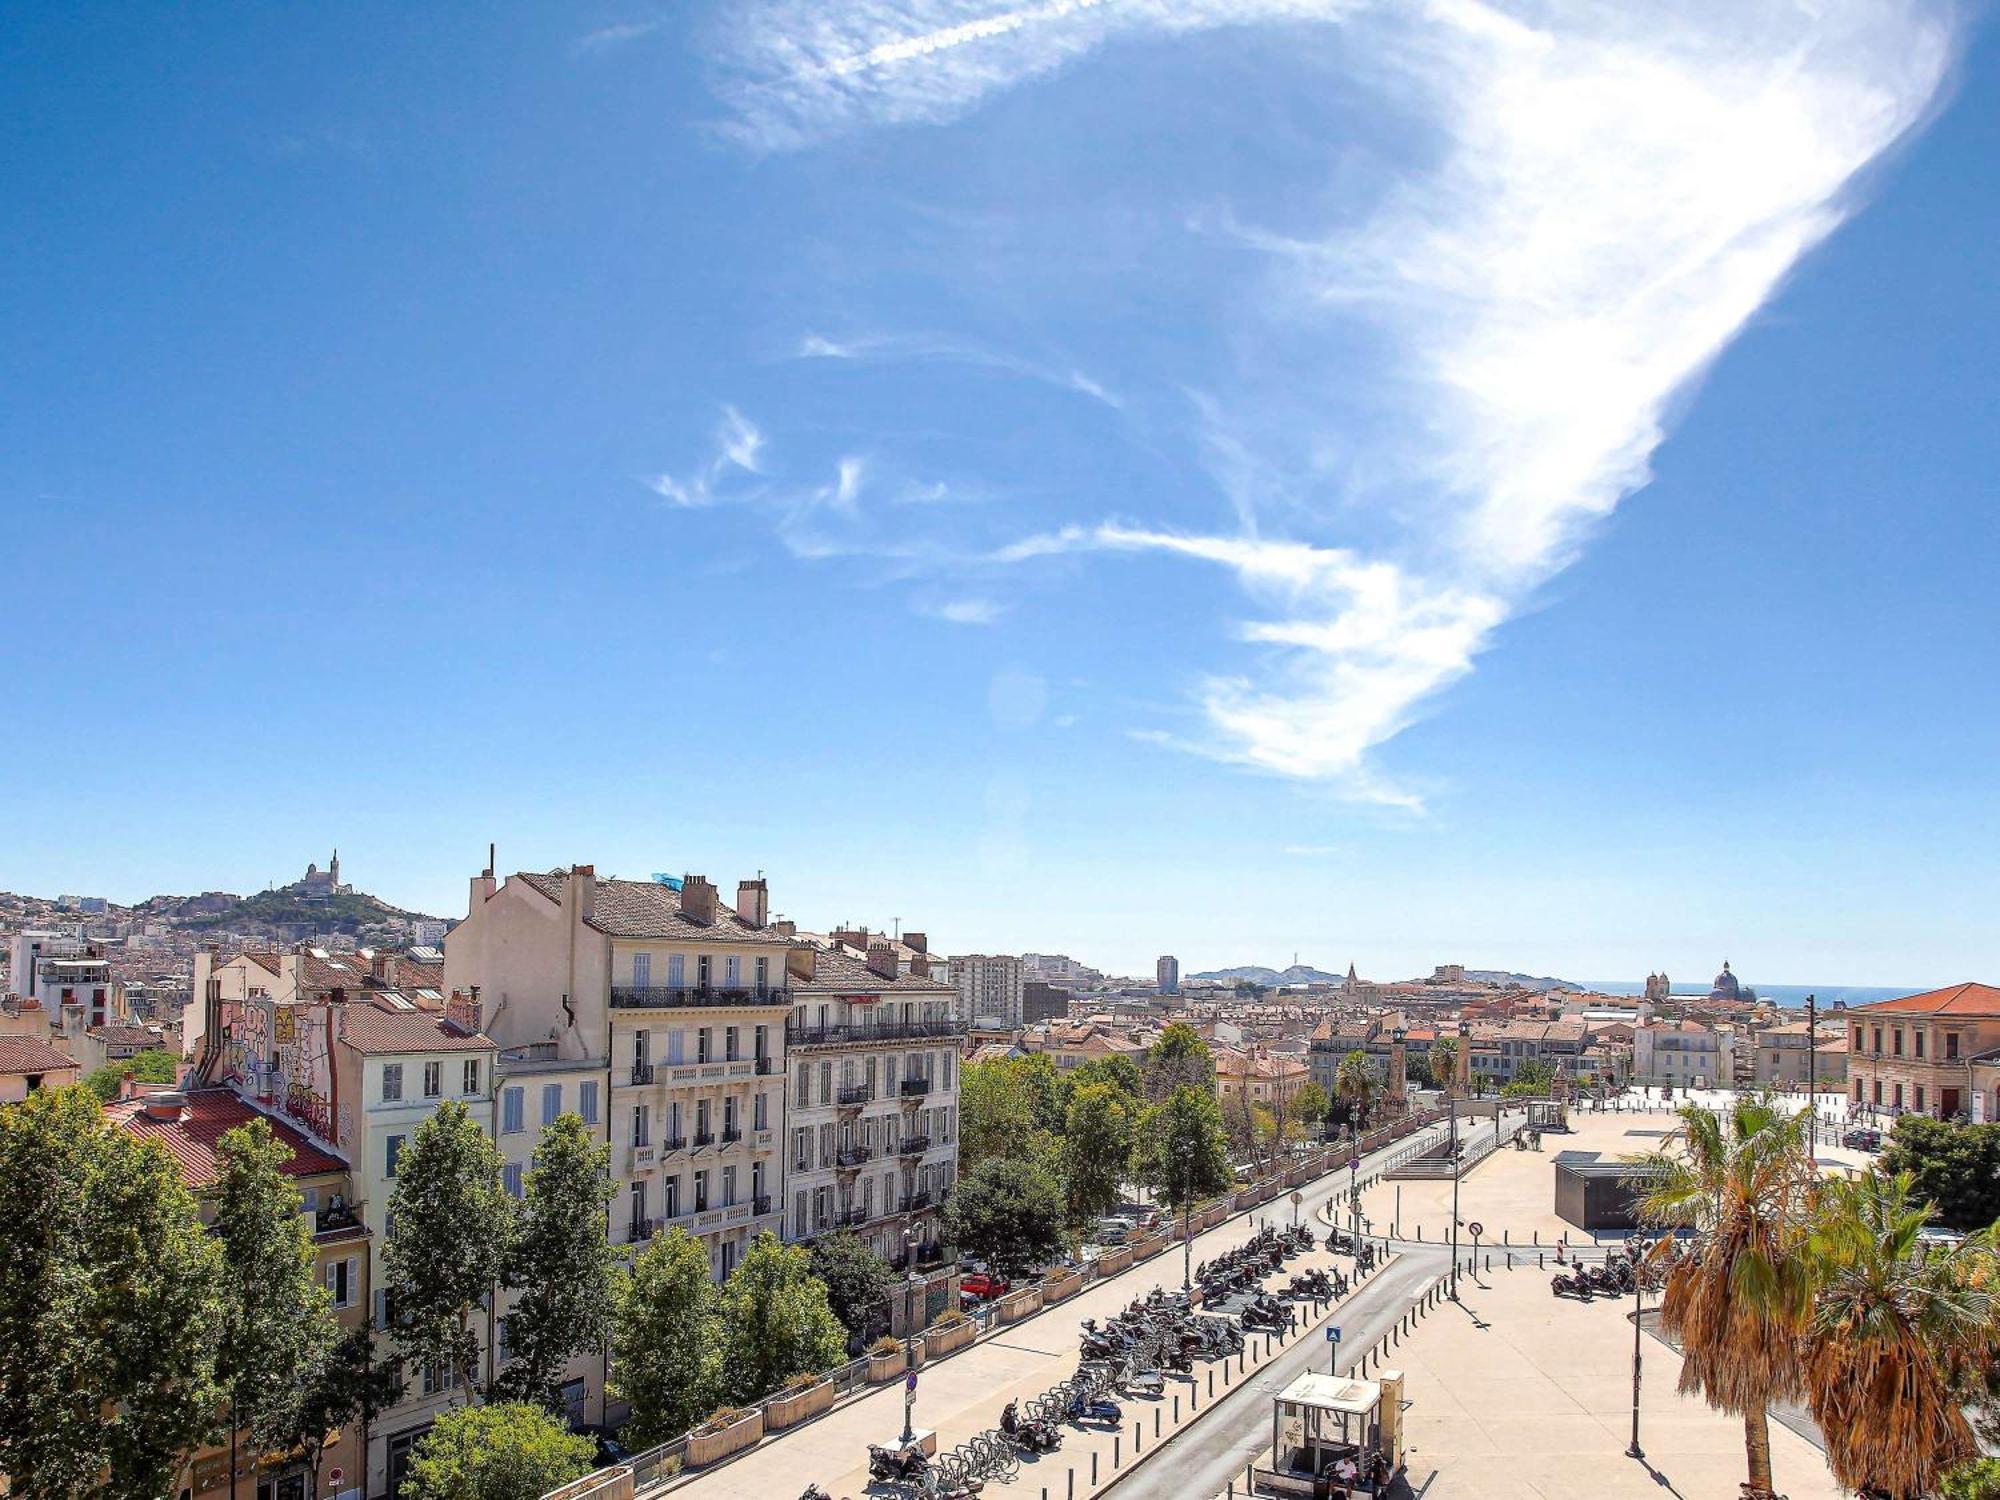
<point x="1402" y="484"/>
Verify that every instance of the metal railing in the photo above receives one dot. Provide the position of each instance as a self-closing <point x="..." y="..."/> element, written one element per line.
<point x="914" y="1088"/>
<point x="913" y="1145"/>
<point x="871" y="1031"/>
<point x="674" y="1143"/>
<point x="854" y="1156"/>
<point x="854" y="1093"/>
<point x="731" y="1136"/>
<point x="673" y="996"/>
<point x="704" y="1138"/>
<point x="761" y="1204"/>
<point x="642" y="1073"/>
<point x="913" y="1203"/>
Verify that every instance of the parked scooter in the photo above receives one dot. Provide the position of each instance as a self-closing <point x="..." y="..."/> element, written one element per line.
<point x="887" y="1463"/>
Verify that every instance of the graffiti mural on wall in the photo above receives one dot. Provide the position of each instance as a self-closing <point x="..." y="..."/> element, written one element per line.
<point x="282" y="1055"/>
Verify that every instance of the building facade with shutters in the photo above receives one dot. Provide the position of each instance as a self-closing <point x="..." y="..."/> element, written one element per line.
<point x="871" y="1109"/>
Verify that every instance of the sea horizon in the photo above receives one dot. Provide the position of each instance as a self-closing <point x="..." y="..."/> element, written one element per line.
<point x="1784" y="996"/>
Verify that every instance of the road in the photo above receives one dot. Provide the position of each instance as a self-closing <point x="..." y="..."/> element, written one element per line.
<point x="1236" y="1431"/>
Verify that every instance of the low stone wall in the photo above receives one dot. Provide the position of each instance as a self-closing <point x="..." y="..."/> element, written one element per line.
<point x="789" y="1410"/>
<point x="950" y="1339"/>
<point x="1022" y="1304"/>
<point x="605" y="1484"/>
<point x="883" y="1367"/>
<point x="1150" y="1246"/>
<point x="713" y="1447"/>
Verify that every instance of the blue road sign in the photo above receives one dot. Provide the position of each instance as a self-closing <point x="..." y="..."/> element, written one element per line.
<point x="910" y="1384"/>
<point x="1332" y="1334"/>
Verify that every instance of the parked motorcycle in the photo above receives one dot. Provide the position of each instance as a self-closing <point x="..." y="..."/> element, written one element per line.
<point x="891" y="1464"/>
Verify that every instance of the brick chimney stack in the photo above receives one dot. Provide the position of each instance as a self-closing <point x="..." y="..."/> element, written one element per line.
<point x="882" y="958"/>
<point x="753" y="901"/>
<point x="698" y="899"/>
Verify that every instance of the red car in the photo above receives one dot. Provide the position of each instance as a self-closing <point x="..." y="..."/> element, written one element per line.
<point x="981" y="1284"/>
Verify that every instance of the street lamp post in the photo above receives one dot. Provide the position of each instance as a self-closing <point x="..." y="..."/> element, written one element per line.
<point x="1451" y="1104"/>
<point x="909" y="1332"/>
<point x="1187" y="1238"/>
<point x="1638" y="1293"/>
<point x="1812" y="1078"/>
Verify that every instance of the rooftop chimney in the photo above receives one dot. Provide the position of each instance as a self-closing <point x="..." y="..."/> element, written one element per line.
<point x="915" y="942"/>
<point x="800" y="962"/>
<point x="463" y="1013"/>
<point x="753" y="901"/>
<point x="698" y="899"/>
<point x="853" y="937"/>
<point x="785" y="927"/>
<point x="165" y="1106"/>
<point x="583" y="890"/>
<point x="882" y="958"/>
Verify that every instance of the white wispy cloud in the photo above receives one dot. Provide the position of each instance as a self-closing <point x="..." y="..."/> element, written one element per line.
<point x="615" y="35"/>
<point x="1609" y="195"/>
<point x="966" y="611"/>
<point x="738" y="445"/>
<point x="922" y="346"/>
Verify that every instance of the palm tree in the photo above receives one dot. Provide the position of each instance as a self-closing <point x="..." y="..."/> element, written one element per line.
<point x="1444" y="1062"/>
<point x="1738" y="1300"/>
<point x="1354" y="1081"/>
<point x="1895" y="1322"/>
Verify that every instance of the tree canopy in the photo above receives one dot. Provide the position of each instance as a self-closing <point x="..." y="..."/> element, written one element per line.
<point x="1957" y="1167"/>
<point x="1181" y="1150"/>
<point x="1008" y="1211"/>
<point x="1007" y="1108"/>
<point x="857" y="1281"/>
<point x="666" y="1356"/>
<point x="511" y="1450"/>
<point x="110" y="1306"/>
<point x="454" y="1232"/>
<point x="776" y="1322"/>
<point x="1097" y="1148"/>
<point x="559" y="1262"/>
<point x="1180" y="1057"/>
<point x="151" y="1066"/>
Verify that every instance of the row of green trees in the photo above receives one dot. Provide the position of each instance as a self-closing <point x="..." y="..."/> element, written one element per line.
<point x="130" y="1335"/>
<point x="1043" y="1154"/>
<point x="1797" y="1286"/>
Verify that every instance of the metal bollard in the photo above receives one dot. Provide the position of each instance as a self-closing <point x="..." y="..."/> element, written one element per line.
<point x="1093" y="1471"/>
<point x="1070" y="1492"/>
<point x="1138" y="1437"/>
<point x="1114" y="1452"/>
<point x="1156" y="1421"/>
<point x="1177" y="1410"/>
<point x="1211" y="1382"/>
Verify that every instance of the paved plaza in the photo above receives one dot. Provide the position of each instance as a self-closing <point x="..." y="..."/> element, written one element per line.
<point x="1517" y="1394"/>
<point x="1513" y="1392"/>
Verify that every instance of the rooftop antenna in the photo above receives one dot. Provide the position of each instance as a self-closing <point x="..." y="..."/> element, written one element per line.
<point x="489" y="861"/>
<point x="898" y="921"/>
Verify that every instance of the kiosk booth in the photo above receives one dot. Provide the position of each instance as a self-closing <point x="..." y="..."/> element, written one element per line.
<point x="1332" y="1435"/>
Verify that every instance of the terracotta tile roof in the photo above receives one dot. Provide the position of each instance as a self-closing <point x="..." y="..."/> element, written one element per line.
<point x="317" y="973"/>
<point x="120" y="1035"/>
<point x="210" y="1113"/>
<point x="26" y="1054"/>
<point x="1968" y="999"/>
<point x="647" y="909"/>
<point x="842" y="973"/>
<point x="375" y="1028"/>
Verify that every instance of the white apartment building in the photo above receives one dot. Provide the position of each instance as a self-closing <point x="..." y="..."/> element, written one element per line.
<point x="989" y="989"/>
<point x="872" y="1111"/>
<point x="1684" y="1054"/>
<point x="687" y="1000"/>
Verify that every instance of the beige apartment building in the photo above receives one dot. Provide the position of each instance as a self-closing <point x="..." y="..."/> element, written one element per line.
<point x="1917" y="1053"/>
<point x="686" y="999"/>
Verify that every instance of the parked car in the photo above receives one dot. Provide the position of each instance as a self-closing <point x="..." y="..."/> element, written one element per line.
<point x="982" y="1284"/>
<point x="1862" y="1138"/>
<point x="1113" y="1231"/>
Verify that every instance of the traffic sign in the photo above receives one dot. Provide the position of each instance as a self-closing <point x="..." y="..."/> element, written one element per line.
<point x="1297" y="1197"/>
<point x="1354" y="1164"/>
<point x="910" y="1383"/>
<point x="1333" y="1333"/>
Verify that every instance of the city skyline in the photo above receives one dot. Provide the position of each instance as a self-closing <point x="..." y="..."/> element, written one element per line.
<point x="710" y="442"/>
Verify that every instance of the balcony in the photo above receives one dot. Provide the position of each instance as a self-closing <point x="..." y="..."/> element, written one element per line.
<point x="335" y="1218"/>
<point x="642" y="1073"/>
<point x="673" y="1143"/>
<point x="703" y="1138"/>
<point x="731" y="1137"/>
<point x="913" y="1203"/>
<point x="914" y="1145"/>
<point x="761" y="1204"/>
<point x="642" y="1230"/>
<point x="854" y="1095"/>
<point x="914" y="1088"/>
<point x="853" y="1156"/>
<point x="688" y="996"/>
<point x="851" y="1219"/>
<point x="764" y="1066"/>
<point x="871" y="1031"/>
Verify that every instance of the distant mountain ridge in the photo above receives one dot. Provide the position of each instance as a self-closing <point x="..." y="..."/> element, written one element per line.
<point x="1258" y="974"/>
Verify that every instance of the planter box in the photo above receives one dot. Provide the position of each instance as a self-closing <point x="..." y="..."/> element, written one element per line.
<point x="883" y="1367"/>
<point x="713" y="1447"/>
<point x="1022" y="1304"/>
<point x="788" y="1411"/>
<point x="950" y="1340"/>
<point x="1058" y="1287"/>
<point x="1111" y="1262"/>
<point x="1247" y="1198"/>
<point x="1151" y="1245"/>
<point x="1217" y="1212"/>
